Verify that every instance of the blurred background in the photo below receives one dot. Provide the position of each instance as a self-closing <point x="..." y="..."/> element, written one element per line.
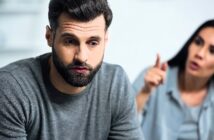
<point x="140" y="29"/>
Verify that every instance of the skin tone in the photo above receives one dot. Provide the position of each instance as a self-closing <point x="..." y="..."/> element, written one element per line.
<point x="193" y="82"/>
<point x="199" y="68"/>
<point x="153" y="78"/>
<point x="75" y="40"/>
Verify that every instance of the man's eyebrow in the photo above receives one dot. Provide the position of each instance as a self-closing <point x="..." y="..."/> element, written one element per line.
<point x="63" y="35"/>
<point x="69" y="35"/>
<point x="98" y="38"/>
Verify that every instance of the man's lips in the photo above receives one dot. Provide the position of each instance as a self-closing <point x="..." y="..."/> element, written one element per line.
<point x="80" y="69"/>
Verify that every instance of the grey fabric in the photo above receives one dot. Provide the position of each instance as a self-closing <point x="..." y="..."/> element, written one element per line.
<point x="32" y="109"/>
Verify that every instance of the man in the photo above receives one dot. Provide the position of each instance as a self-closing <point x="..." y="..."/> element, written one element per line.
<point x="69" y="94"/>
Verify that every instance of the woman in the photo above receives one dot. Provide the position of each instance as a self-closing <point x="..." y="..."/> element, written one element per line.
<point x="180" y="93"/>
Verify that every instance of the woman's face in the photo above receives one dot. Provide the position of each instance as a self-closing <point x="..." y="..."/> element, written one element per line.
<point x="200" y="60"/>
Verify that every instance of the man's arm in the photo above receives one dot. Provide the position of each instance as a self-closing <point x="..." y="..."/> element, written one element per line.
<point x="12" y="116"/>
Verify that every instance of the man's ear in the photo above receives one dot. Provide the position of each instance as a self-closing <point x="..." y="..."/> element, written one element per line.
<point x="49" y="36"/>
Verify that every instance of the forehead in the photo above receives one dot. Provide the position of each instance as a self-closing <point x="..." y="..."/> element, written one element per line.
<point x="207" y="33"/>
<point x="93" y="27"/>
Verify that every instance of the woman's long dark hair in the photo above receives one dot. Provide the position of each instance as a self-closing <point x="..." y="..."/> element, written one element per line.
<point x="180" y="58"/>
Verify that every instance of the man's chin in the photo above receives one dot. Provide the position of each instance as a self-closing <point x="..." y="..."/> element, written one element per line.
<point x="78" y="80"/>
<point x="78" y="84"/>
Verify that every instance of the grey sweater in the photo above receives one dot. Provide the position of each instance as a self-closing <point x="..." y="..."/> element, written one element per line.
<point x="32" y="109"/>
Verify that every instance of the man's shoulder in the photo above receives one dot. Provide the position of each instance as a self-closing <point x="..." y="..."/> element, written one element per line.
<point x="17" y="65"/>
<point x="22" y="69"/>
<point x="112" y="72"/>
<point x="111" y="75"/>
<point x="111" y="68"/>
<point x="22" y="66"/>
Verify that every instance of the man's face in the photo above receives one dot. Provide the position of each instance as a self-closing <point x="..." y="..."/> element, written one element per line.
<point x="78" y="49"/>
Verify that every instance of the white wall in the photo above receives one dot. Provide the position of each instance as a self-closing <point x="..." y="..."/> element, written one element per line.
<point x="143" y="28"/>
<point x="140" y="30"/>
<point x="22" y="29"/>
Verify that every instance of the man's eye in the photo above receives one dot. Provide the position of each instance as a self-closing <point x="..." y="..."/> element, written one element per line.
<point x="70" y="42"/>
<point x="93" y="43"/>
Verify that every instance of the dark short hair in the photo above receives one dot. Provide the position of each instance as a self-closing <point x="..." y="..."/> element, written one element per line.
<point x="80" y="10"/>
<point x="180" y="58"/>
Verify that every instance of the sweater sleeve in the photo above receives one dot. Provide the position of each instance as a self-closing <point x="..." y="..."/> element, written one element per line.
<point x="12" y="109"/>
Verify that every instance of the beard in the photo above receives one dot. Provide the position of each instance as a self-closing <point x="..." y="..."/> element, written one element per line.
<point x="74" y="78"/>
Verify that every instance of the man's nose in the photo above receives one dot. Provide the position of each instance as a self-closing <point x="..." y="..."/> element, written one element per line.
<point x="82" y="53"/>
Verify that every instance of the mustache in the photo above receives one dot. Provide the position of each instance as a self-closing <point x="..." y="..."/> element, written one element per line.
<point x="78" y="63"/>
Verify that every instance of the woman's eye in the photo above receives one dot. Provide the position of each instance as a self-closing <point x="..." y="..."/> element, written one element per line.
<point x="198" y="41"/>
<point x="211" y="49"/>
